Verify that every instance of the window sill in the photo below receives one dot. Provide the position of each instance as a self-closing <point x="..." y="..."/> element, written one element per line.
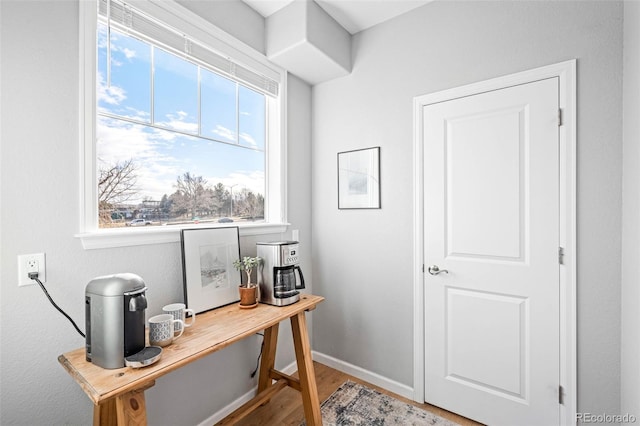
<point x="110" y="238"/>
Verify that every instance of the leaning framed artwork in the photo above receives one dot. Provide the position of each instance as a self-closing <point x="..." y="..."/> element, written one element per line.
<point x="210" y="280"/>
<point x="359" y="179"/>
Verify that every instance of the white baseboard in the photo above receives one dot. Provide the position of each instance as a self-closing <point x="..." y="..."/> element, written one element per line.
<point x="230" y="408"/>
<point x="367" y="376"/>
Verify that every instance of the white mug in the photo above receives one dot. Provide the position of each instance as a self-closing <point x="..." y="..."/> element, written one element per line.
<point x="179" y="312"/>
<point x="161" y="329"/>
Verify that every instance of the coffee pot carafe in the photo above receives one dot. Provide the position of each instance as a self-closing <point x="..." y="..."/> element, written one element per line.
<point x="277" y="272"/>
<point x="285" y="281"/>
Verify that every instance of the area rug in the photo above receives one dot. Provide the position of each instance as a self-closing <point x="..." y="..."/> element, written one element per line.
<point x="355" y="404"/>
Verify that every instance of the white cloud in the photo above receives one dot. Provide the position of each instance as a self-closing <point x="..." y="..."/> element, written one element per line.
<point x="250" y="180"/>
<point x="115" y="46"/>
<point x="138" y="114"/>
<point x="178" y="122"/>
<point x="224" y="133"/>
<point x="112" y="95"/>
<point x="248" y="139"/>
<point x="116" y="140"/>
<point x="129" y="53"/>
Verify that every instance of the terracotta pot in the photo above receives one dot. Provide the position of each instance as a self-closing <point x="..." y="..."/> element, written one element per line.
<point x="248" y="296"/>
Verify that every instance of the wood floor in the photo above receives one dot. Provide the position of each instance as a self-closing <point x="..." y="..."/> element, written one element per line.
<point x="286" y="407"/>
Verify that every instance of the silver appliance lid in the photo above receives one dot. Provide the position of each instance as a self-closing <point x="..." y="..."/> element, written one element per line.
<point x="114" y="285"/>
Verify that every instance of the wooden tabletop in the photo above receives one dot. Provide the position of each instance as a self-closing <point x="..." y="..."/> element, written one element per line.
<point x="212" y="331"/>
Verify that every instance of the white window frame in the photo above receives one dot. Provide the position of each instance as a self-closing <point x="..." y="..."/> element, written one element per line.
<point x="276" y="154"/>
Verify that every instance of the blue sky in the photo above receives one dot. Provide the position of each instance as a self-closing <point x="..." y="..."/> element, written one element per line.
<point x="162" y="155"/>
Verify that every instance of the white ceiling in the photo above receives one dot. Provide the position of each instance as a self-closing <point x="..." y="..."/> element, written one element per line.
<point x="353" y="15"/>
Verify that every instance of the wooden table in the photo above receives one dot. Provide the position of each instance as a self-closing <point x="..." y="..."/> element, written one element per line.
<point x="118" y="394"/>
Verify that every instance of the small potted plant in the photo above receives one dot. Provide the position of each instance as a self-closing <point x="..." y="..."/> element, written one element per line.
<point x="248" y="291"/>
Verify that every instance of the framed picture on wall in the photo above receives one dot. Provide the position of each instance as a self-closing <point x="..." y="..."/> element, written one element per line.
<point x="210" y="279"/>
<point x="359" y="179"/>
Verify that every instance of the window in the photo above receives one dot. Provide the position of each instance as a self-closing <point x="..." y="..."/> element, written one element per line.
<point x="178" y="129"/>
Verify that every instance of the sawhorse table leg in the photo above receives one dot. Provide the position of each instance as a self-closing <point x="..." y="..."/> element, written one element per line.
<point x="268" y="357"/>
<point x="128" y="409"/>
<point x="306" y="373"/>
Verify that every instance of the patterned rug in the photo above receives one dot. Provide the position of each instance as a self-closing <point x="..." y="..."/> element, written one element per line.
<point x="355" y="404"/>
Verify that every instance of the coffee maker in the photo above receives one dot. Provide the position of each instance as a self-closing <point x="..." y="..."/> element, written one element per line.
<point x="115" y="319"/>
<point x="276" y="273"/>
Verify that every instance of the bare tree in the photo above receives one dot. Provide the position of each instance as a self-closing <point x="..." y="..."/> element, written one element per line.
<point x="178" y="204"/>
<point x="250" y="204"/>
<point x="116" y="185"/>
<point x="192" y="194"/>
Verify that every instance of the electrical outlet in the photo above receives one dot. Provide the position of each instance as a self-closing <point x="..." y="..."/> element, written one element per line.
<point x="28" y="263"/>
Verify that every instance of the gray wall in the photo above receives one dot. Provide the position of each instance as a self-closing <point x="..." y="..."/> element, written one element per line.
<point x="362" y="259"/>
<point x="39" y="213"/>
<point x="630" y="372"/>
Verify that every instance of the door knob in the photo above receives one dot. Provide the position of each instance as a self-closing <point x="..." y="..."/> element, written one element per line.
<point x="434" y="270"/>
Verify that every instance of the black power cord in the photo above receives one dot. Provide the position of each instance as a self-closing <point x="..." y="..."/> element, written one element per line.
<point x="34" y="276"/>
<point x="259" y="355"/>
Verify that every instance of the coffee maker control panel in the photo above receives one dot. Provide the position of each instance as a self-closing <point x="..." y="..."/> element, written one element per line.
<point x="290" y="255"/>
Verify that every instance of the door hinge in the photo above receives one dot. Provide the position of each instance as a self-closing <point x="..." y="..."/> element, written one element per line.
<point x="561" y="395"/>
<point x="561" y="255"/>
<point x="559" y="117"/>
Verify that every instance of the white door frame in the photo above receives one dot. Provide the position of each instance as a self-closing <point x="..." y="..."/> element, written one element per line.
<point x="566" y="72"/>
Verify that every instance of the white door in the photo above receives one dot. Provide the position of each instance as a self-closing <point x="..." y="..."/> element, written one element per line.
<point x="491" y="223"/>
